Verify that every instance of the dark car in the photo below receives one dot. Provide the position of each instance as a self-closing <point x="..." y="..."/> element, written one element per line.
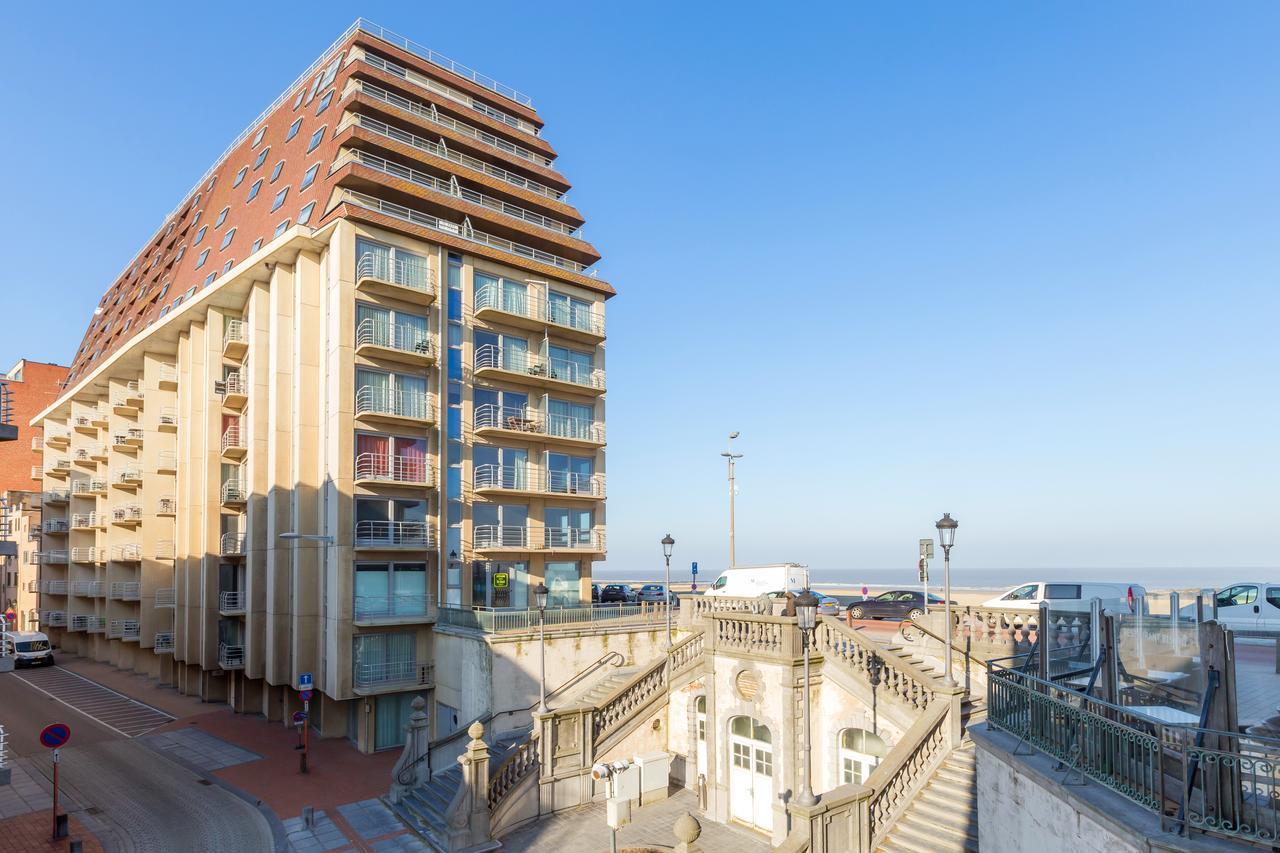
<point x="617" y="593"/>
<point x="894" y="604"/>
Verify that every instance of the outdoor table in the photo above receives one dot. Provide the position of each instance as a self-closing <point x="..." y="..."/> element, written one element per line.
<point x="1164" y="714"/>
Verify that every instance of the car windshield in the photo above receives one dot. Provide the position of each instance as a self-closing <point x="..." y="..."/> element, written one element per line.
<point x="33" y="646"/>
<point x="887" y="596"/>
<point x="1023" y="593"/>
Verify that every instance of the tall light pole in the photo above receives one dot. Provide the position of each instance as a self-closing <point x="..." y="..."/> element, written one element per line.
<point x="323" y="539"/>
<point x="667" y="545"/>
<point x="807" y="620"/>
<point x="731" y="456"/>
<point x="540" y="599"/>
<point x="946" y="538"/>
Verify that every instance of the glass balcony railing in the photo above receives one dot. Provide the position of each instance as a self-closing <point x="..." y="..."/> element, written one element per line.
<point x="403" y="607"/>
<point x="415" y="405"/>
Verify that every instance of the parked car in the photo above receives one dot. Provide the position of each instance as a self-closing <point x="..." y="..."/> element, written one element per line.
<point x="595" y="593"/>
<point x="894" y="604"/>
<point x="759" y="580"/>
<point x="653" y="592"/>
<point x="1069" y="595"/>
<point x="27" y="648"/>
<point x="618" y="593"/>
<point x="1245" y="605"/>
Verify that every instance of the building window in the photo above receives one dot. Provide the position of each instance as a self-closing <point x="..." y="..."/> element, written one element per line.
<point x="257" y="137"/>
<point x="281" y="228"/>
<point x="163" y="311"/>
<point x="227" y="238"/>
<point x="316" y="139"/>
<point x="275" y="173"/>
<point x="199" y="235"/>
<point x="195" y="220"/>
<point x="859" y="753"/>
<point x="309" y="178"/>
<point x="228" y="265"/>
<point x="182" y="250"/>
<point x="244" y="170"/>
<point x="222" y="217"/>
<point x="293" y="130"/>
<point x="325" y="101"/>
<point x="253" y="190"/>
<point x="280" y="197"/>
<point x="190" y="292"/>
<point x="212" y="181"/>
<point x="391" y="522"/>
<point x="257" y="244"/>
<point x="262" y="158"/>
<point x="390" y="590"/>
<point x="208" y="280"/>
<point x="297" y="102"/>
<point x="304" y="215"/>
<point x="162" y="292"/>
<point x="204" y="256"/>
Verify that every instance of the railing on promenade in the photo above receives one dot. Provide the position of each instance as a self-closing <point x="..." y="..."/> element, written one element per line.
<point x="499" y="621"/>
<point x="1196" y="779"/>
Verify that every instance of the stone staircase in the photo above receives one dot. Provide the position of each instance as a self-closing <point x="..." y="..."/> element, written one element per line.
<point x="944" y="815"/>
<point x="602" y="688"/>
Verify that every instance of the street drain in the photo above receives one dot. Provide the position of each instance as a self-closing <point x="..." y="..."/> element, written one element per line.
<point x="203" y="782"/>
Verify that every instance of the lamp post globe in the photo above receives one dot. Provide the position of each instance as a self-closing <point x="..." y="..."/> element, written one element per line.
<point x="807" y="610"/>
<point x="540" y="596"/>
<point x="946" y="530"/>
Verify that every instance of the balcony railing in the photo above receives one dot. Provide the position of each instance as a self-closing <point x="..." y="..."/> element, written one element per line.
<point x="123" y="629"/>
<point x="231" y="385"/>
<point x="163" y="643"/>
<point x="79" y="622"/>
<point x="54" y="525"/>
<point x="168" y="375"/>
<point x="492" y="537"/>
<point x="531" y="306"/>
<point x="54" y="618"/>
<point x="399" y="268"/>
<point x="231" y="439"/>
<point x="233" y="492"/>
<point x="96" y="624"/>
<point x="572" y="539"/>
<point x="87" y="555"/>
<point x="166" y="462"/>
<point x="168" y="417"/>
<point x="128" y="477"/>
<point x="232" y="545"/>
<point x="165" y="549"/>
<point x="394" y="608"/>
<point x="496" y="357"/>
<point x="130" y="553"/>
<point x="87" y="589"/>
<point x="126" y="590"/>
<point x="402" y="337"/>
<point x="230" y="656"/>
<point x="393" y="469"/>
<point x="530" y="479"/>
<point x="488" y="536"/>
<point x="37" y="471"/>
<point x="57" y="496"/>
<point x="82" y="423"/>
<point x="392" y="674"/>
<point x="167" y="506"/>
<point x="53" y="587"/>
<point x="127" y="514"/>
<point x="85" y="520"/>
<point x="166" y="596"/>
<point x="56" y="437"/>
<point x="55" y="557"/>
<point x="394" y="534"/>
<point x="231" y="602"/>
<point x="234" y="332"/>
<point x="396" y="403"/>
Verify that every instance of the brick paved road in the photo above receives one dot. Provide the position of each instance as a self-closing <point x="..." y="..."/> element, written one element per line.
<point x="114" y="710"/>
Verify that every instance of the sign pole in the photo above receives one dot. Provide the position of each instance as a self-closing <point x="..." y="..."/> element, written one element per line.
<point x="306" y="740"/>
<point x="52" y="737"/>
<point x="56" y="761"/>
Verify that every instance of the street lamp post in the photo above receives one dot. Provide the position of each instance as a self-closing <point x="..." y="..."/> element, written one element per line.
<point x="323" y="539"/>
<point x="667" y="545"/>
<point x="807" y="620"/>
<point x="540" y="598"/>
<point x="946" y="538"/>
<point x="732" y="457"/>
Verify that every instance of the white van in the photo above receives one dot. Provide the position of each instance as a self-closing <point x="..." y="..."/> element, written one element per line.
<point x="1249" y="605"/>
<point x="27" y="648"/>
<point x="1069" y="595"/>
<point x="751" y="581"/>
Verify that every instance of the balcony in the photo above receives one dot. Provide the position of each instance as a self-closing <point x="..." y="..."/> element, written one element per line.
<point x="399" y="342"/>
<point x="168" y="377"/>
<point x="230" y="656"/>
<point x="84" y="425"/>
<point x="99" y="418"/>
<point x="490" y="538"/>
<point x="60" y="469"/>
<point x="121" y="404"/>
<point x="390" y="676"/>
<point x="96" y="487"/>
<point x="399" y="275"/>
<point x="534" y="369"/>
<point x="128" y="479"/>
<point x="135" y="436"/>
<point x="37" y="443"/>
<point x="232" y="389"/>
<point x="168" y="421"/>
<point x="85" y="521"/>
<point x="232" y="444"/>
<point x="233" y="492"/>
<point x="54" y="619"/>
<point x="393" y="470"/>
<point x="395" y="405"/>
<point x="534" y="312"/>
<point x="87" y="589"/>
<point x="129" y="515"/>
<point x="78" y="622"/>
<point x="54" y="526"/>
<point x="96" y="624"/>
<point x="56" y="557"/>
<point x="167" y="462"/>
<point x="57" y="496"/>
<point x="120" y="441"/>
<point x="405" y="609"/>
<point x="85" y="457"/>
<point x="163" y="643"/>
<point x="231" y="603"/>
<point x="165" y="549"/>
<point x="98" y="453"/>
<point x="167" y="506"/>
<point x="572" y="539"/>
<point x="54" y="587"/>
<point x="55" y="437"/>
<point x="166" y="597"/>
<point x="511" y="479"/>
<point x="235" y="339"/>
<point x="380" y="535"/>
<point x="133" y="393"/>
<point x="37" y="472"/>
<point x="231" y="545"/>
<point x="130" y="553"/>
<point x="126" y="591"/>
<point x="88" y="555"/>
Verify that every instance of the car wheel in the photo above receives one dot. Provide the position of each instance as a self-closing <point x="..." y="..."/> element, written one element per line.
<point x="855" y="612"/>
<point x="915" y="614"/>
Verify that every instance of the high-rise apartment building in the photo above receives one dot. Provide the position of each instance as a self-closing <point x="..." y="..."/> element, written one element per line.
<point x="373" y="325"/>
<point x="31" y="387"/>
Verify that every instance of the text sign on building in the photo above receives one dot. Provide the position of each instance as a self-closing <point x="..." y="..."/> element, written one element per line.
<point x="500" y="580"/>
<point x="304" y="681"/>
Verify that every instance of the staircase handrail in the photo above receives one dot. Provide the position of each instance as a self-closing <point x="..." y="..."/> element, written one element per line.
<point x="965" y="655"/>
<point x="906" y="769"/>
<point x="522" y="761"/>
<point x="903" y="680"/>
<point x="637" y="692"/>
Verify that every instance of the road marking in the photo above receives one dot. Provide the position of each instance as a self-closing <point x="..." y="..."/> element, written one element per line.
<point x="96" y="702"/>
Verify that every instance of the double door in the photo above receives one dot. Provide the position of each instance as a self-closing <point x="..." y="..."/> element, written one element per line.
<point x="751" y="772"/>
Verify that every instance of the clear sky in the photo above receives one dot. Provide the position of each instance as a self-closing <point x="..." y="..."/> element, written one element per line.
<point x="1015" y="261"/>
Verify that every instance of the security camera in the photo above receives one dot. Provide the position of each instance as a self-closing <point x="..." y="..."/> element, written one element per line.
<point x="601" y="771"/>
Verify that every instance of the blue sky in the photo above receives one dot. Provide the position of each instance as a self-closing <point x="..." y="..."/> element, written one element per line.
<point x="1017" y="262"/>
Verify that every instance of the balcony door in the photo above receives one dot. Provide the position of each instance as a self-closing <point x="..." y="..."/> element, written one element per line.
<point x="566" y="310"/>
<point x="500" y="525"/>
<point x="501" y="467"/>
<point x="567" y="527"/>
<point x="569" y="420"/>
<point x="751" y="772"/>
<point x="501" y="409"/>
<point x="570" y="365"/>
<point x="508" y="352"/>
<point x="569" y="475"/>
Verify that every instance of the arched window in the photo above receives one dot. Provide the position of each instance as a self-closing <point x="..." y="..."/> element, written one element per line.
<point x="860" y="752"/>
<point x="700" y="709"/>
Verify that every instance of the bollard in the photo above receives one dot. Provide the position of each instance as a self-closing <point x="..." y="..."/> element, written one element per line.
<point x="309" y="817"/>
<point x="60" y="826"/>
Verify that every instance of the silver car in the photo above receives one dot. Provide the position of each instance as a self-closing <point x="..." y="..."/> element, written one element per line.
<point x="653" y="592"/>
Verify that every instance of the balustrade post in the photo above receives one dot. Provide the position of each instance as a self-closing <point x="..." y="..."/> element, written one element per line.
<point x="413" y="765"/>
<point x="475" y="778"/>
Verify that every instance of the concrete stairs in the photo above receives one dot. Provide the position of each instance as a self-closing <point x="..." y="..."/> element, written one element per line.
<point x="602" y="688"/>
<point x="423" y="809"/>
<point x="944" y="815"/>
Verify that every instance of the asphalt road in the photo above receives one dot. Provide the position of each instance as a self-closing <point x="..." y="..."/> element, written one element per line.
<point x="147" y="803"/>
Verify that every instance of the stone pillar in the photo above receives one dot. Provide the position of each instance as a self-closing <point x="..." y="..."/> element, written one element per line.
<point x="468" y="816"/>
<point x="687" y="830"/>
<point x="413" y="768"/>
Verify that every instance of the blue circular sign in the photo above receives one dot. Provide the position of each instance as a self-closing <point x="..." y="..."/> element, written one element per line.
<point x="55" y="735"/>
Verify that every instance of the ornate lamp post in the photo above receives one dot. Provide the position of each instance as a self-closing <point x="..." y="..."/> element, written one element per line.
<point x="667" y="545"/>
<point x="540" y="599"/>
<point x="807" y="620"/>
<point x="732" y="457"/>
<point x="946" y="538"/>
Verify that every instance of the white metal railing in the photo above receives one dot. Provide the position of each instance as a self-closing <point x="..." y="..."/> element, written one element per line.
<point x="120" y="439"/>
<point x="232" y="383"/>
<point x="234" y="332"/>
<point x="500" y="536"/>
<point x="530" y="479"/>
<point x="231" y="601"/>
<point x="387" y="674"/>
<point x="87" y="589"/>
<point x="123" y="629"/>
<point x="231" y="438"/>
<point x="167" y="505"/>
<point x="534" y="306"/>
<point x="165" y="549"/>
<point x="168" y="373"/>
<point x="79" y="622"/>
<point x="515" y="418"/>
<point x="81" y="520"/>
<point x="126" y="590"/>
<point x="36" y="442"/>
<point x="133" y="389"/>
<point x="402" y="337"/>
<point x="403" y="606"/>
<point x="37" y="471"/>
<point x="55" y="557"/>
<point x="397" y="469"/>
<point x="444" y="226"/>
<point x="232" y="491"/>
<point x="454" y="189"/>
<point x="136" y="434"/>
<point x="54" y="435"/>
<point x="87" y="555"/>
<point x="129" y="553"/>
<point x="53" y="587"/>
<point x="81" y="421"/>
<point x="169" y="416"/>
<point x="231" y="544"/>
<point x="128" y="512"/>
<point x="121" y="401"/>
<point x="95" y="485"/>
<point x="163" y="642"/>
<point x="230" y="656"/>
<point x="394" y="534"/>
<point x="128" y="477"/>
<point x="54" y="525"/>
<point x="395" y="267"/>
<point x="397" y="402"/>
<point x="54" y="618"/>
<point x="166" y="596"/>
<point x="573" y="539"/>
<point x="166" y="461"/>
<point x="88" y="453"/>
<point x="495" y="356"/>
<point x="57" y="496"/>
<point x="96" y="624"/>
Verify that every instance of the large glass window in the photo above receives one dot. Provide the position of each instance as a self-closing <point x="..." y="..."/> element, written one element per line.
<point x="569" y="420"/>
<point x="384" y="327"/>
<point x="391" y="457"/>
<point x="505" y="294"/>
<point x="569" y="474"/>
<point x="391" y="393"/>
<point x="500" y="525"/>
<point x="391" y="522"/>
<point x="390" y="590"/>
<point x="508" y="352"/>
<point x="500" y="467"/>
<point x="567" y="527"/>
<point x="562" y="580"/>
<point x="565" y="310"/>
<point x="570" y="365"/>
<point x="502" y="409"/>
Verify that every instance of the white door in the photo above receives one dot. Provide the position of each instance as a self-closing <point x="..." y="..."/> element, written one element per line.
<point x="751" y="773"/>
<point x="700" y="707"/>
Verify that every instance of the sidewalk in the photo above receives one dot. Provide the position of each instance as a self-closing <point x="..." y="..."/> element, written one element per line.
<point x="30" y="833"/>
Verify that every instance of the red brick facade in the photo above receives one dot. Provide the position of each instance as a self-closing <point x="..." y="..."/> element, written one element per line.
<point x="39" y="386"/>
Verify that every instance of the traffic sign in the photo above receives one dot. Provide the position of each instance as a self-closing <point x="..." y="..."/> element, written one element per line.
<point x="695" y="568"/>
<point x="299" y="717"/>
<point x="304" y="681"/>
<point x="305" y="695"/>
<point x="55" y="735"/>
<point x="500" y="580"/>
